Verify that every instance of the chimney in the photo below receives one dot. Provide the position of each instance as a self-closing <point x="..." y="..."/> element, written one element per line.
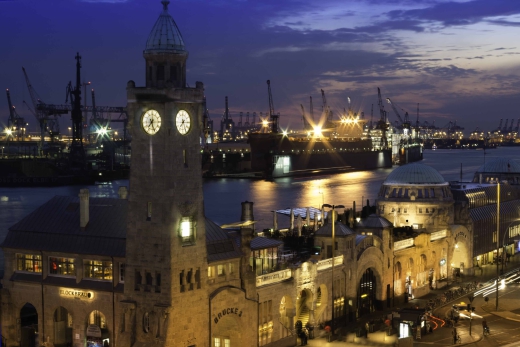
<point x="247" y="212"/>
<point x="122" y="192"/>
<point x="83" y="208"/>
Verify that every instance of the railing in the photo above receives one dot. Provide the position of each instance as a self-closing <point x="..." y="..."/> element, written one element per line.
<point x="327" y="263"/>
<point x="289" y="330"/>
<point x="273" y="277"/>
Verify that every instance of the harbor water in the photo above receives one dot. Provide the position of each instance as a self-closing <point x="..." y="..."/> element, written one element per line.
<point x="222" y="197"/>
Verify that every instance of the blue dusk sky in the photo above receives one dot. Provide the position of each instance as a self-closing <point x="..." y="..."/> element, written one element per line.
<point x="458" y="58"/>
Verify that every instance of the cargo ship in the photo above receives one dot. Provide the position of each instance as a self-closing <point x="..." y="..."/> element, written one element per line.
<point x="279" y="155"/>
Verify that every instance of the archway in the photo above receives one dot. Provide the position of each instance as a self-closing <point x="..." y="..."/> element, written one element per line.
<point x="321" y="305"/>
<point x="227" y="333"/>
<point x="29" y="326"/>
<point x="398" y="286"/>
<point x="97" y="330"/>
<point x="62" y="327"/>
<point x="366" y="300"/>
<point x="287" y="315"/>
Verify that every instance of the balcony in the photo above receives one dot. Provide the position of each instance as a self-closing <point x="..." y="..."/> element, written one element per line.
<point x="273" y="277"/>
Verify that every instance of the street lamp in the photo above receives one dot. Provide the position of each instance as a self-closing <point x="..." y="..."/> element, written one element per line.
<point x="333" y="207"/>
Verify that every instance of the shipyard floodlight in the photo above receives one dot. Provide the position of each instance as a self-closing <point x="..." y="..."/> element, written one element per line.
<point x="317" y="131"/>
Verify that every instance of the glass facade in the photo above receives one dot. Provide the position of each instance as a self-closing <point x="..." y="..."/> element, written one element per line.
<point x="97" y="269"/>
<point x="28" y="262"/>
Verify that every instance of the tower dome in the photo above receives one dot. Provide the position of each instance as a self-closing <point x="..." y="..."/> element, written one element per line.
<point x="415" y="174"/>
<point x="165" y="36"/>
<point x="165" y="53"/>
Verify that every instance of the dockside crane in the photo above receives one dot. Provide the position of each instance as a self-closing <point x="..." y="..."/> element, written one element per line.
<point x="405" y="121"/>
<point x="311" y="109"/>
<point x="504" y="129"/>
<point x="272" y="116"/>
<point x="511" y="126"/>
<point x="381" y="124"/>
<point x="517" y="125"/>
<point x="77" y="152"/>
<point x="500" y="125"/>
<point x="47" y="120"/>
<point x="304" y="119"/>
<point x="326" y="109"/>
<point x="15" y="123"/>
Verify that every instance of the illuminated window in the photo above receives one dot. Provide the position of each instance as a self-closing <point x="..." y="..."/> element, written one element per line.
<point x="220" y="270"/>
<point x="101" y="270"/>
<point x="227" y="343"/>
<point x="29" y="262"/>
<point x="211" y="271"/>
<point x="187" y="231"/>
<point x="217" y="342"/>
<point x="97" y="318"/>
<point x="61" y="266"/>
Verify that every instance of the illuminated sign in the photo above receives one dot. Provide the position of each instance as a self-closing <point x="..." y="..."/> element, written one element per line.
<point x="75" y="293"/>
<point x="442" y="262"/>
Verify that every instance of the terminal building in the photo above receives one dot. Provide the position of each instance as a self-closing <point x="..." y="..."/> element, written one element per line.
<point x="149" y="269"/>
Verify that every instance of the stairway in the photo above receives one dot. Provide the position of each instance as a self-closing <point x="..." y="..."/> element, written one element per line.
<point x="304" y="315"/>
<point x="318" y="299"/>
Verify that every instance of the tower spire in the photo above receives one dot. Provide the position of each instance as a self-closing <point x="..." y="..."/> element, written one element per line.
<point x="165" y="4"/>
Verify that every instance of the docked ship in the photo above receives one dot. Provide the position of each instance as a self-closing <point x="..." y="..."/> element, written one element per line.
<point x="279" y="155"/>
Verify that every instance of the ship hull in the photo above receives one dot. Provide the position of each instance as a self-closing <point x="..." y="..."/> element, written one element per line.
<point x="277" y="156"/>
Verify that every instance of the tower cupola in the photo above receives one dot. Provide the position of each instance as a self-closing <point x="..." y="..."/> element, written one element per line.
<point x="165" y="53"/>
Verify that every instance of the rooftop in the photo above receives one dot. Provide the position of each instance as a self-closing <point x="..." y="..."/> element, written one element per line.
<point x="414" y="174"/>
<point x="165" y="36"/>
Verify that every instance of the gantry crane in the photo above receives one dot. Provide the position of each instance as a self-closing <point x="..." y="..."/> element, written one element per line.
<point x="381" y="124"/>
<point x="47" y="120"/>
<point x="272" y="116"/>
<point x="15" y="123"/>
<point x="504" y="129"/>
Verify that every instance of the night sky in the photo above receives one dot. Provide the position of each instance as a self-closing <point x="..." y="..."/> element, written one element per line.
<point x="458" y="59"/>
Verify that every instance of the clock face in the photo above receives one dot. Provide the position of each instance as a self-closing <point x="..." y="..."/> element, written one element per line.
<point x="151" y="122"/>
<point x="183" y="122"/>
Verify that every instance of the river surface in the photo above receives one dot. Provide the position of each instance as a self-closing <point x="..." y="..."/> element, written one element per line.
<point x="222" y="197"/>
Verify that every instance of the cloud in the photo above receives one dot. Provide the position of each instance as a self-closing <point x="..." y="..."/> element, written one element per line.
<point x="453" y="13"/>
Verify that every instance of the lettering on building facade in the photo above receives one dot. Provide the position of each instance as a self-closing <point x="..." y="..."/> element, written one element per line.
<point x="74" y="293"/>
<point x="229" y="310"/>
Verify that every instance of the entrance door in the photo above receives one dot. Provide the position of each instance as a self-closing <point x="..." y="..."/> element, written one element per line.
<point x="367" y="293"/>
<point x="29" y="326"/>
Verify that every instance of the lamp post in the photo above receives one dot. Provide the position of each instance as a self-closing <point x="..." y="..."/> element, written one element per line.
<point x="333" y="207"/>
<point x="498" y="239"/>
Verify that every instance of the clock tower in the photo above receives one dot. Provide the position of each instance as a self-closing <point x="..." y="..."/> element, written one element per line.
<point x="166" y="257"/>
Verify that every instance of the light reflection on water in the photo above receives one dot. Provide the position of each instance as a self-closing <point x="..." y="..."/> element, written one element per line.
<point x="223" y="197"/>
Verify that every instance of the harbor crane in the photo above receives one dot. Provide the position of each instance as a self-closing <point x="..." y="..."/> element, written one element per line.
<point x="77" y="152"/>
<point x="15" y="123"/>
<point x="304" y="119"/>
<point x="517" y="125"/>
<point x="504" y="129"/>
<point x="47" y="120"/>
<point x="326" y="108"/>
<point x="381" y="124"/>
<point x="500" y="125"/>
<point x="405" y="122"/>
<point x="311" y="109"/>
<point x="272" y="116"/>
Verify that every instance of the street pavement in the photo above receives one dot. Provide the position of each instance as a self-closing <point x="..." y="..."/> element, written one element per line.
<point x="504" y="322"/>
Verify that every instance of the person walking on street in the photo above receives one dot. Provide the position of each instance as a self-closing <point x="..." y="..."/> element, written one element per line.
<point x="454" y="333"/>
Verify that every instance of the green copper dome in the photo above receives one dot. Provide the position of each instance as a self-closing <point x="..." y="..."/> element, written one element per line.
<point x="414" y="174"/>
<point x="165" y="36"/>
